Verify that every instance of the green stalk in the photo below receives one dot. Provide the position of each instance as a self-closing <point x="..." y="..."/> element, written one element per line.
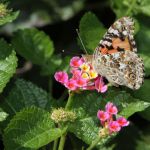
<point x="55" y="144"/>
<point x="62" y="141"/>
<point x="94" y="143"/>
<point x="69" y="102"/>
<point x="63" y="137"/>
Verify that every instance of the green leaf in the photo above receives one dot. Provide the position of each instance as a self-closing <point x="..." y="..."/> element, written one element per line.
<point x="91" y="31"/>
<point x="30" y="129"/>
<point x="33" y="45"/>
<point x="85" y="129"/>
<point x="24" y="94"/>
<point x="83" y="101"/>
<point x="8" y="63"/>
<point x="6" y="15"/>
<point x="144" y="94"/>
<point x="134" y="107"/>
<point x="3" y="115"/>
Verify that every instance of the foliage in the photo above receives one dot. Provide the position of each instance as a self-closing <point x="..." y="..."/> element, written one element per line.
<point x="8" y="63"/>
<point x="7" y="15"/>
<point x="91" y="31"/>
<point x="27" y="105"/>
<point x="33" y="128"/>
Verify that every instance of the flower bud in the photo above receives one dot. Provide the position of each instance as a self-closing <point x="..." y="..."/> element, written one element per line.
<point x="61" y="115"/>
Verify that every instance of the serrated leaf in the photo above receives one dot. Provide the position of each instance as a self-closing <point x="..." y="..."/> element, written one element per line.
<point x="7" y="15"/>
<point x="34" y="45"/>
<point x="8" y="63"/>
<point x="24" y="94"/>
<point x="91" y="31"/>
<point x="85" y="129"/>
<point x="134" y="107"/>
<point x="3" y="115"/>
<point x="30" y="129"/>
<point x="144" y="94"/>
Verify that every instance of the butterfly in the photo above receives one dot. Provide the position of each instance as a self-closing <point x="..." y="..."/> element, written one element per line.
<point x="116" y="58"/>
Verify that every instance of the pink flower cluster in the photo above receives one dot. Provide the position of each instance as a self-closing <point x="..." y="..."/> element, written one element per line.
<point x="107" y="118"/>
<point x="83" y="77"/>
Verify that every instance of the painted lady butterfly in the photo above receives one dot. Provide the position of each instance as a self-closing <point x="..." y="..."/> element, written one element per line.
<point x="115" y="57"/>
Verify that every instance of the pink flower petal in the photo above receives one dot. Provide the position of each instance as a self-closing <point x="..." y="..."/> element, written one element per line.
<point x="71" y="84"/>
<point x="111" y="108"/>
<point x="61" y="77"/>
<point x="76" y="62"/>
<point x="114" y="126"/>
<point x="76" y="73"/>
<point x="122" y="122"/>
<point x="80" y="82"/>
<point x="104" y="89"/>
<point x="99" y="85"/>
<point x="102" y="116"/>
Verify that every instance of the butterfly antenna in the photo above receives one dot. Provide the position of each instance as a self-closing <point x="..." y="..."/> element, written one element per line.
<point x="70" y="53"/>
<point x="81" y="41"/>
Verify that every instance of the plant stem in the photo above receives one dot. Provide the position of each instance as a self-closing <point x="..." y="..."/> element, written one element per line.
<point x="62" y="141"/>
<point x="94" y="143"/>
<point x="55" y="144"/>
<point x="63" y="137"/>
<point x="69" y="102"/>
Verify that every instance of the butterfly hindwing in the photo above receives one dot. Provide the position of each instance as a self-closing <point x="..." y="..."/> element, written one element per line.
<point x="121" y="68"/>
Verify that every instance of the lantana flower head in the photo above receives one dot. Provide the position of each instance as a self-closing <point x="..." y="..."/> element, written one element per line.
<point x="82" y="77"/>
<point x="109" y="120"/>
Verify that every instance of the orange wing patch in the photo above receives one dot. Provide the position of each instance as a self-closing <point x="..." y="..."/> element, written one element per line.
<point x="117" y="42"/>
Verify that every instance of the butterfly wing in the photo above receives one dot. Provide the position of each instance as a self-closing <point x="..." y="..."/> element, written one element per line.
<point x="119" y="37"/>
<point x="115" y="57"/>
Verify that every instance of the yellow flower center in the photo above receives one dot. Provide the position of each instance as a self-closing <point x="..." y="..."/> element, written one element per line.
<point x="92" y="74"/>
<point x="85" y="75"/>
<point x="85" y="67"/>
